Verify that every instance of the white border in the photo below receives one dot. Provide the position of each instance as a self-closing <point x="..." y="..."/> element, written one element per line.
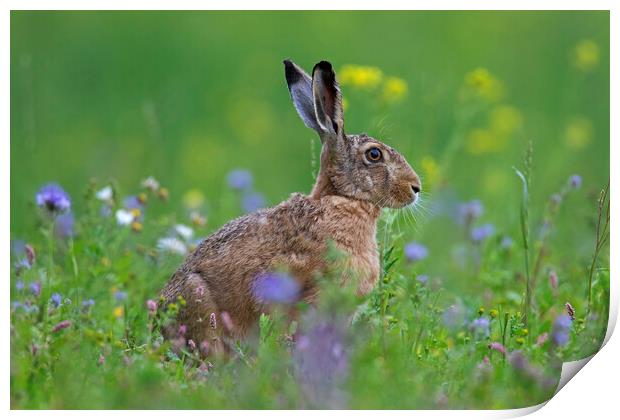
<point x="595" y="392"/>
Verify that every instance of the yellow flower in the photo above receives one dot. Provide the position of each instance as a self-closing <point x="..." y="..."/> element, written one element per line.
<point x="484" y="84"/>
<point x="163" y="194"/>
<point x="394" y="89"/>
<point x="118" y="312"/>
<point x="193" y="199"/>
<point x="364" y="77"/>
<point x="136" y="226"/>
<point x="586" y="55"/>
<point x="430" y="169"/>
<point x="578" y="133"/>
<point x="481" y="140"/>
<point x="504" y="120"/>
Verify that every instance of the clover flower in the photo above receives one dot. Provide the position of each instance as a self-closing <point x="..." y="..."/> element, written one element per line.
<point x="53" y="198"/>
<point x="276" y="288"/>
<point x="415" y="251"/>
<point x="239" y="179"/>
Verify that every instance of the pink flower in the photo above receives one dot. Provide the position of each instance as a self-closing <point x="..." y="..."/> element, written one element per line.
<point x="553" y="279"/>
<point x="212" y="321"/>
<point x="498" y="347"/>
<point x="191" y="344"/>
<point x="204" y="347"/>
<point x="542" y="339"/>
<point x="227" y="320"/>
<point x="151" y="306"/>
<point x="101" y="359"/>
<point x="61" y="325"/>
<point x="182" y="330"/>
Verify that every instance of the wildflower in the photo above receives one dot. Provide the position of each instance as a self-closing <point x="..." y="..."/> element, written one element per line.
<point x="197" y="219"/>
<point x="453" y="317"/>
<point x="483" y="84"/>
<point x="469" y="211"/>
<point x="394" y="89"/>
<point x="18" y="247"/>
<point x="276" y="288"/>
<point x="30" y="254"/>
<point x="150" y="183"/>
<point x="480" y="326"/>
<point x="430" y="169"/>
<point x="182" y="330"/>
<point x="172" y="245"/>
<point x="239" y="179"/>
<point x="184" y="231"/>
<point x="35" y="288"/>
<point x="364" y="77"/>
<point x="478" y="234"/>
<point x="191" y="344"/>
<point x="56" y="299"/>
<point x="553" y="279"/>
<point x="61" y="326"/>
<point x="163" y="194"/>
<point x="575" y="181"/>
<point x="586" y="55"/>
<point x="87" y="303"/>
<point x="497" y="347"/>
<point x="415" y="252"/>
<point x="422" y="278"/>
<point x="193" y="199"/>
<point x="134" y="202"/>
<point x="22" y="264"/>
<point x="119" y="295"/>
<point x="570" y="310"/>
<point x="506" y="242"/>
<point x="19" y="285"/>
<point x="124" y="217"/>
<point x="105" y="194"/>
<point x="204" y="347"/>
<point x="542" y="339"/>
<point x="252" y="201"/>
<point x="53" y="198"/>
<point x="136" y="226"/>
<point x="64" y="225"/>
<point x="118" y="312"/>
<point x="493" y="313"/>
<point x="101" y="360"/>
<point x="578" y="132"/>
<point x="561" y="330"/>
<point x="151" y="305"/>
<point x="213" y="321"/>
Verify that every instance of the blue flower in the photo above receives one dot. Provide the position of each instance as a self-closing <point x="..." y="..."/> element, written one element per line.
<point x="239" y="179"/>
<point x="252" y="201"/>
<point x="276" y="288"/>
<point x="120" y="295"/>
<point x="480" y="326"/>
<point x="561" y="330"/>
<point x="132" y="202"/>
<point x="56" y="299"/>
<point x="480" y="233"/>
<point x="469" y="211"/>
<point x="87" y="303"/>
<point x="64" y="225"/>
<point x="19" y="285"/>
<point x="53" y="198"/>
<point x="422" y="278"/>
<point x="506" y="242"/>
<point x="575" y="181"/>
<point x="415" y="251"/>
<point x="35" y="288"/>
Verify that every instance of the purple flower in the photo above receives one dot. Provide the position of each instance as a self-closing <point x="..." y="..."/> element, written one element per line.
<point x="553" y="279"/>
<point x="18" y="247"/>
<point x="575" y="181"/>
<point x="422" y="278"/>
<point x="64" y="225"/>
<point x="56" y="299"/>
<point x="276" y="288"/>
<point x="151" y="305"/>
<point x="252" y="201"/>
<point x="19" y="285"/>
<point x="120" y="295"/>
<point x="415" y="251"/>
<point x="480" y="233"/>
<point x="561" y="330"/>
<point x="497" y="347"/>
<point x="61" y="326"/>
<point x="506" y="242"/>
<point x="22" y="264"/>
<point x="53" y="198"/>
<point x="454" y="316"/>
<point x="87" y="303"/>
<point x="133" y="202"/>
<point x="35" y="288"/>
<point x="469" y="211"/>
<point x="480" y="326"/>
<point x="239" y="179"/>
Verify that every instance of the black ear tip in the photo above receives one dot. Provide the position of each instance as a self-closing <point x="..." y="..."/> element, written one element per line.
<point x="290" y="72"/>
<point x="324" y="66"/>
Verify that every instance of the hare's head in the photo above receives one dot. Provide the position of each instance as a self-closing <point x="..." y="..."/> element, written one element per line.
<point x="355" y="166"/>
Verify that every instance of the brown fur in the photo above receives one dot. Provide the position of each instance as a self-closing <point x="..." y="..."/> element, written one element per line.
<point x="343" y="208"/>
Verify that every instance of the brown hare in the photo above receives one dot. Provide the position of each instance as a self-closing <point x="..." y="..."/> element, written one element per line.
<point x="358" y="176"/>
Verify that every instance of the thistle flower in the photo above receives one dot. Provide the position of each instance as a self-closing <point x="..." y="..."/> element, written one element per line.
<point x="415" y="252"/>
<point x="480" y="233"/>
<point x="61" y="326"/>
<point x="19" y="285"/>
<point x="276" y="288"/>
<point x="53" y="198"/>
<point x="252" y="201"/>
<point x="239" y="179"/>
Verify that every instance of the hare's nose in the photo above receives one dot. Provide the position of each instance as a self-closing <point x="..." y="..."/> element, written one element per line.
<point x="415" y="188"/>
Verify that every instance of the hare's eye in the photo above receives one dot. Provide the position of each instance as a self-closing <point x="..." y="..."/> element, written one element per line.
<point x="373" y="154"/>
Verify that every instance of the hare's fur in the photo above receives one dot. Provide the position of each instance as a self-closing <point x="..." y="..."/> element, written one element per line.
<point x="343" y="208"/>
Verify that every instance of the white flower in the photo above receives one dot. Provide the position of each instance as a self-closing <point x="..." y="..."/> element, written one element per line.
<point x="124" y="217"/>
<point x="151" y="183"/>
<point x="104" y="194"/>
<point x="172" y="245"/>
<point x="184" y="231"/>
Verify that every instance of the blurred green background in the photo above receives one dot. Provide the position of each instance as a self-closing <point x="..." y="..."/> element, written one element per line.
<point x="187" y="96"/>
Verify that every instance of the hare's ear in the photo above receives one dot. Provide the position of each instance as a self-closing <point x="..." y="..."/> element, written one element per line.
<point x="327" y="100"/>
<point x="300" y="87"/>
